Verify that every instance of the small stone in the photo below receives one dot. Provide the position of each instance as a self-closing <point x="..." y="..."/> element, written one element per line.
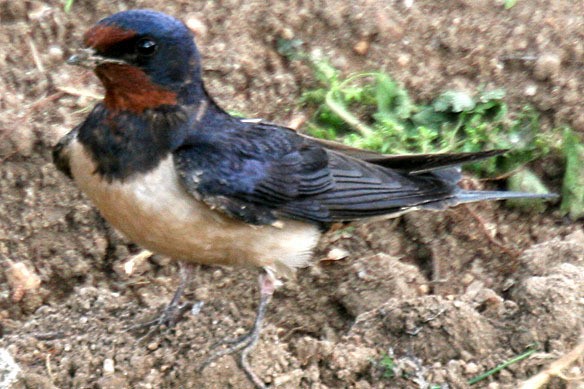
<point x="506" y="377"/>
<point x="21" y="280"/>
<point x="202" y="293"/>
<point x="408" y="4"/>
<point x="423" y="289"/>
<point x="294" y="375"/>
<point x="467" y="279"/>
<point x="403" y="60"/>
<point x="55" y="54"/>
<point x="307" y="350"/>
<point x="136" y="264"/>
<point x="336" y="254"/>
<point x="578" y="123"/>
<point x="547" y="66"/>
<point x="9" y="368"/>
<point x="108" y="366"/>
<point x="489" y="296"/>
<point x="362" y="385"/>
<point x="471" y="368"/>
<point x="530" y="90"/>
<point x="23" y="140"/>
<point x="196" y="25"/>
<point x="466" y="356"/>
<point x="287" y="33"/>
<point x="362" y="47"/>
<point x="339" y="61"/>
<point x="571" y="97"/>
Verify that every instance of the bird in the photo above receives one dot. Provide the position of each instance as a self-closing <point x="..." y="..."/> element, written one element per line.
<point x="175" y="173"/>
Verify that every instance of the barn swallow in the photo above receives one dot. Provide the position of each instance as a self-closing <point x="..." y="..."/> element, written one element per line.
<point x="176" y="174"/>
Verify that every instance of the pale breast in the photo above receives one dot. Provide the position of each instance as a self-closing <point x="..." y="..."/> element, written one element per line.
<point x="154" y="211"/>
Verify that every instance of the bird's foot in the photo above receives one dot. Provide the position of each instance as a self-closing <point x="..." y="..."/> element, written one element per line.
<point x="172" y="314"/>
<point x="244" y="344"/>
<point x="174" y="311"/>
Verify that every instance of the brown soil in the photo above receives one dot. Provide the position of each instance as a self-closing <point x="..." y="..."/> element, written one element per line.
<point x="449" y="295"/>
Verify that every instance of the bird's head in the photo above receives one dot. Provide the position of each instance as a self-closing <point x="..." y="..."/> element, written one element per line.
<point x="145" y="59"/>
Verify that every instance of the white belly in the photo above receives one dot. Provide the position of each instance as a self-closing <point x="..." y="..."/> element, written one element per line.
<point x="154" y="211"/>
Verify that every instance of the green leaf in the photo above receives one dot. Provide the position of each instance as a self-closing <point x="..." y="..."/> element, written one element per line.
<point x="527" y="181"/>
<point x="573" y="186"/>
<point x="403" y="104"/>
<point x="315" y="96"/>
<point x="453" y="101"/>
<point x="290" y="48"/>
<point x="510" y="4"/>
<point x="326" y="73"/>
<point x="391" y="98"/>
<point x="388" y="365"/>
<point x="495" y="94"/>
<point x="385" y="93"/>
<point x="428" y="117"/>
<point x="68" y="5"/>
<point x="353" y="94"/>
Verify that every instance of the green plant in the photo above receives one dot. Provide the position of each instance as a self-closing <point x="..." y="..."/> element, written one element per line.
<point x="573" y="184"/>
<point x="510" y="4"/>
<point x="503" y="365"/>
<point x="68" y="4"/>
<point x="387" y="363"/>
<point x="371" y="110"/>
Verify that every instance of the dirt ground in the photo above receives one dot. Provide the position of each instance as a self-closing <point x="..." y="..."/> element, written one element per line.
<point x="448" y="295"/>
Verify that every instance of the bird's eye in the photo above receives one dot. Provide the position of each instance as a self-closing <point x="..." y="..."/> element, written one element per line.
<point x="146" y="47"/>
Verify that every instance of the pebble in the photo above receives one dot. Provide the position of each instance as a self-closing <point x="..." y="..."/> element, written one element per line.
<point x="547" y="66"/>
<point x="362" y="47"/>
<point x="202" y="293"/>
<point x="423" y="289"/>
<point x="196" y="25"/>
<point x="287" y="33"/>
<point x="530" y="90"/>
<point x="21" y="280"/>
<point x="471" y="368"/>
<point x="55" y="54"/>
<point x="24" y="140"/>
<point x="294" y="375"/>
<point x="108" y="366"/>
<point x="403" y="60"/>
<point x="336" y="254"/>
<point x="467" y="279"/>
<point x="571" y="97"/>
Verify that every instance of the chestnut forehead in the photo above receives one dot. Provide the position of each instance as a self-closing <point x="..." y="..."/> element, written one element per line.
<point x="101" y="37"/>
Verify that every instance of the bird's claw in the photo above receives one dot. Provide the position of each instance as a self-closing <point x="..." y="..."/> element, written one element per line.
<point x="171" y="315"/>
<point x="242" y="345"/>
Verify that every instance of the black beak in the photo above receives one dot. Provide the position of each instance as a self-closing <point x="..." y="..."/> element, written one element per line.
<point x="88" y="58"/>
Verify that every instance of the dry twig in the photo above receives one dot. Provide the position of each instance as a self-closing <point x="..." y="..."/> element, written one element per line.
<point x="555" y="369"/>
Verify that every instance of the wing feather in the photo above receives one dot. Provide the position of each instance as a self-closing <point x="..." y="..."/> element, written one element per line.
<point x="258" y="173"/>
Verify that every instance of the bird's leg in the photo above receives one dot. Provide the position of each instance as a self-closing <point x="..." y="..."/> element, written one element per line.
<point x="173" y="311"/>
<point x="268" y="284"/>
<point x="185" y="272"/>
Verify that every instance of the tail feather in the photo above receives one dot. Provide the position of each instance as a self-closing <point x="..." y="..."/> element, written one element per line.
<point x="471" y="196"/>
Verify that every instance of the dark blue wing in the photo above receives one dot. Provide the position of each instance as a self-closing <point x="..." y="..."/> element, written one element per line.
<point x="258" y="173"/>
<point x="253" y="173"/>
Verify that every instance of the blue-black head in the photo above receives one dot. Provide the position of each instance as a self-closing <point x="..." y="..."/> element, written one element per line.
<point x="144" y="59"/>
